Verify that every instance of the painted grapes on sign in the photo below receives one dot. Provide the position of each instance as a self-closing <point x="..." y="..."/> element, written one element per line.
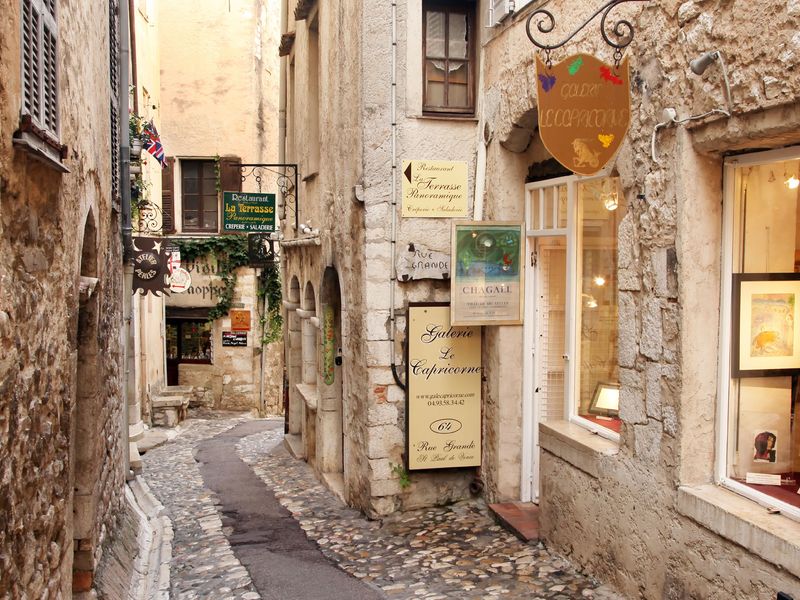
<point x="328" y="345"/>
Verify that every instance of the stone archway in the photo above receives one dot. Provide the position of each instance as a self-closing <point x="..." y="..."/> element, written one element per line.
<point x="331" y="450"/>
<point x="309" y="372"/>
<point x="86" y="442"/>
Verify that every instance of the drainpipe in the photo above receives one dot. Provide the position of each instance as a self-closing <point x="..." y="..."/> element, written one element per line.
<point x="132" y="29"/>
<point x="393" y="279"/>
<point x="128" y="387"/>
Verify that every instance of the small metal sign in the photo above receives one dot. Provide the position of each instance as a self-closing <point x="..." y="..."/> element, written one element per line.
<point x="240" y="320"/>
<point x="248" y="211"/>
<point x="419" y="262"/>
<point x="260" y="250"/>
<point x="234" y="338"/>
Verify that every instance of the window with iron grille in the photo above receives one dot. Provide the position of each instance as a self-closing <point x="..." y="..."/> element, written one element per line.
<point x="40" y="65"/>
<point x="449" y="69"/>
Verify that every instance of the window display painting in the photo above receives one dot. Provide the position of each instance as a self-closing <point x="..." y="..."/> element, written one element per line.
<point x="765" y="446"/>
<point x="766" y="327"/>
<point x="486" y="285"/>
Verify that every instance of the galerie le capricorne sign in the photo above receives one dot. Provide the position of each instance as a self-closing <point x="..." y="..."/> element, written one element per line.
<point x="584" y="110"/>
<point x="444" y="390"/>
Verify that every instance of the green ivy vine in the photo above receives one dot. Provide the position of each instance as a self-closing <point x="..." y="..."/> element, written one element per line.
<point x="231" y="253"/>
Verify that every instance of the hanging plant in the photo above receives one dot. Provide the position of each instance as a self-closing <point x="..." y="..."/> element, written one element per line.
<point x="230" y="252"/>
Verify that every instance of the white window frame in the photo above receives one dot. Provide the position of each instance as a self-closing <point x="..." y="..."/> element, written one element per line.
<point x="724" y="382"/>
<point x="530" y="409"/>
<point x="48" y="23"/>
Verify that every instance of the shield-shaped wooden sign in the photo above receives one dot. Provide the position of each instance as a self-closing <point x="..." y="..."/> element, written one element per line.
<point x="584" y="110"/>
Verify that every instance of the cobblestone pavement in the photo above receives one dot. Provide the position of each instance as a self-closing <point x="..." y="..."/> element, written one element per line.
<point x="436" y="554"/>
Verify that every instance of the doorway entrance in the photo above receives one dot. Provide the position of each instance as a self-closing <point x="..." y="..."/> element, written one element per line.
<point x="188" y="341"/>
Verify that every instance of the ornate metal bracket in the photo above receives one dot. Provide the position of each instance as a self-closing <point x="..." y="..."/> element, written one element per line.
<point x="285" y="176"/>
<point x="147" y="217"/>
<point x="622" y="30"/>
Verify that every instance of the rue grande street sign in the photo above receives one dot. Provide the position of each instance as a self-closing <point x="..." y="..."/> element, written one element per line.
<point x="584" y="110"/>
<point x="248" y="211"/>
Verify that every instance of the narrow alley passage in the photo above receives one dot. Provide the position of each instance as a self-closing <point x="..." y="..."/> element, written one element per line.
<point x="238" y="531"/>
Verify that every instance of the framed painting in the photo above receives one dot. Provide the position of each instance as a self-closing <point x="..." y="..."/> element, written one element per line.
<point x="765" y="340"/>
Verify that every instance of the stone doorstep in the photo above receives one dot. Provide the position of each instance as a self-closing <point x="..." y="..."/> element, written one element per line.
<point x="170" y="402"/>
<point x="335" y="483"/>
<point x="176" y="390"/>
<point x="520" y="518"/>
<point x="294" y="443"/>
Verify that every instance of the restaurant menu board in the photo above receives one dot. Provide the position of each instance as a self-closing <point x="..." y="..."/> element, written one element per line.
<point x="444" y="390"/>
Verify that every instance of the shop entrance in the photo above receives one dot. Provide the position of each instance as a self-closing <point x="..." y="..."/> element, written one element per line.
<point x="188" y="340"/>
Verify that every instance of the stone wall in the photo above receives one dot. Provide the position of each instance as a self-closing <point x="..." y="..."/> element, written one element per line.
<point x="59" y="432"/>
<point x="622" y="520"/>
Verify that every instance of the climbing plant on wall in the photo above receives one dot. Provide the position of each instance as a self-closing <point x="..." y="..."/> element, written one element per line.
<point x="230" y="252"/>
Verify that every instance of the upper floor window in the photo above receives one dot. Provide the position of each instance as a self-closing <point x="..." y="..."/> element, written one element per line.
<point x="200" y="201"/>
<point x="40" y="65"/>
<point x="449" y="64"/>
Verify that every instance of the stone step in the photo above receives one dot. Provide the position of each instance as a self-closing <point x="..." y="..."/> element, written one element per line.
<point x="176" y="390"/>
<point x="520" y="518"/>
<point x="170" y="401"/>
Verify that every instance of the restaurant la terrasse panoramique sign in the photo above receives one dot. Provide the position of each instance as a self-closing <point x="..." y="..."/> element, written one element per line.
<point x="248" y="212"/>
<point x="584" y="110"/>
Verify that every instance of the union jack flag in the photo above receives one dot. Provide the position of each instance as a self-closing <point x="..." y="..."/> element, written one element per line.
<point x="152" y="143"/>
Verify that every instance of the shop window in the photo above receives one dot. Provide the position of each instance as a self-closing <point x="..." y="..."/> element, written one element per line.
<point x="600" y="209"/>
<point x="189" y="341"/>
<point x="449" y="64"/>
<point x="761" y="328"/>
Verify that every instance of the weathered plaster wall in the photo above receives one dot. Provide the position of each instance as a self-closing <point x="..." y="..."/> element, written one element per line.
<point x="51" y="424"/>
<point x="623" y="523"/>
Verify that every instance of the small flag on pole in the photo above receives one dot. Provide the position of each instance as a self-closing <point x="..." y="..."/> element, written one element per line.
<point x="152" y="143"/>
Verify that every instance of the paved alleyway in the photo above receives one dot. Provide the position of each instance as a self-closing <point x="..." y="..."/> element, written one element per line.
<point x="232" y="540"/>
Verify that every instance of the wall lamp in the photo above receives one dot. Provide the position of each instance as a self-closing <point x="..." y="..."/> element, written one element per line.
<point x="698" y="66"/>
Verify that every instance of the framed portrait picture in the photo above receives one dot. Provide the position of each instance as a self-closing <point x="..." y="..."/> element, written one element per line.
<point x="765" y="340"/>
<point x="486" y="283"/>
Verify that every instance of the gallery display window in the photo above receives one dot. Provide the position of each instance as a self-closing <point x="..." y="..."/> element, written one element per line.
<point x="571" y="369"/>
<point x="760" y="329"/>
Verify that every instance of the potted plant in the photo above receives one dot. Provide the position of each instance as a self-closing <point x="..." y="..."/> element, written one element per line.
<point x="136" y="128"/>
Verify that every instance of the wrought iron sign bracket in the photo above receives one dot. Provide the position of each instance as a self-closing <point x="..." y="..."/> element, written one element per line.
<point x="285" y="175"/>
<point x="622" y="30"/>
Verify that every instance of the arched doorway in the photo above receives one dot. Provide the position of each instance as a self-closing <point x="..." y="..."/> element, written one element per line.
<point x="331" y="452"/>
<point x="86" y="441"/>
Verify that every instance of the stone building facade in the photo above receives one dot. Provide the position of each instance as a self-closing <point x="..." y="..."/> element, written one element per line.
<point x="636" y="268"/>
<point x="63" y="436"/>
<point x="202" y="144"/>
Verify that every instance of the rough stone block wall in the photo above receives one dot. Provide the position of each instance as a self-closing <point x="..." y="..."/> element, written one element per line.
<point x="42" y="221"/>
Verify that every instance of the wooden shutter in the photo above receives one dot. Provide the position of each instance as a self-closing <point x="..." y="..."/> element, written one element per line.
<point x="168" y="196"/>
<point x="230" y="177"/>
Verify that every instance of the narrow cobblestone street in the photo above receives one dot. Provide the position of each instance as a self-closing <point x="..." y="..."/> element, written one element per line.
<point x="448" y="552"/>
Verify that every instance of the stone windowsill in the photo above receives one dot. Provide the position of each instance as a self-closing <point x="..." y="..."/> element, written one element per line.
<point x="773" y="537"/>
<point x="40" y="151"/>
<point x="445" y="117"/>
<point x="578" y="446"/>
<point x="309" y="393"/>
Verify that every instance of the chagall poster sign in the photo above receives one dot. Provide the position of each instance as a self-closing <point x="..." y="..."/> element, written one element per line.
<point x="248" y="211"/>
<point x="584" y="110"/>
<point x="434" y="188"/>
<point x="444" y="390"/>
<point x="486" y="284"/>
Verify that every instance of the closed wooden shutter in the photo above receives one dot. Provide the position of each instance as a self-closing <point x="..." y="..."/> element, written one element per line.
<point x="168" y="196"/>
<point x="230" y="177"/>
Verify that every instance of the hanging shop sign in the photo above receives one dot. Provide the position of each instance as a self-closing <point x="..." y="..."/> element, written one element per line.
<point x="240" y="320"/>
<point x="434" y="188"/>
<point x="260" y="250"/>
<point x="179" y="281"/>
<point x="486" y="286"/>
<point x="150" y="273"/>
<point x="444" y="390"/>
<point x="328" y="345"/>
<point x="234" y="338"/>
<point x="248" y="211"/>
<point x="419" y="262"/>
<point x="584" y="110"/>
